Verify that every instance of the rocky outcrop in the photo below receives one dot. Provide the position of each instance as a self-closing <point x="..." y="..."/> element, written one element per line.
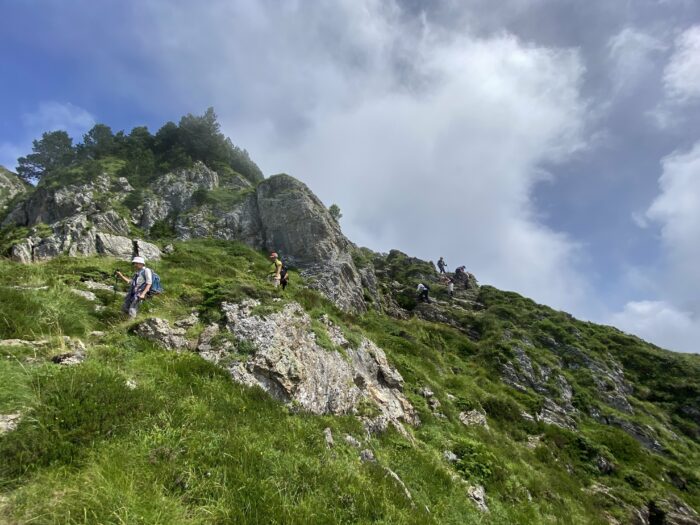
<point x="280" y="215"/>
<point x="76" y="220"/>
<point x="175" y="193"/>
<point x="10" y="186"/>
<point x="160" y="332"/>
<point x="296" y="224"/>
<point x="288" y="361"/>
<point x="522" y="374"/>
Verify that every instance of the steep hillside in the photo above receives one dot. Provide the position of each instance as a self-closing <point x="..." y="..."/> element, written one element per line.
<point x="342" y="399"/>
<point x="559" y="421"/>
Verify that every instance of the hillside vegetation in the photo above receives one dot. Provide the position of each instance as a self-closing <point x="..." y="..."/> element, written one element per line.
<point x="139" y="434"/>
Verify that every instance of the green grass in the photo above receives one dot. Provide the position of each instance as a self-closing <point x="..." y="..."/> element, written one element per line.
<point x="137" y="434"/>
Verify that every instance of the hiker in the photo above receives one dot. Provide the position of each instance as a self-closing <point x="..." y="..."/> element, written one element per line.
<point x="451" y="288"/>
<point x="277" y="272"/>
<point x="139" y="286"/>
<point x="423" y="293"/>
<point x="460" y="270"/>
<point x="442" y="265"/>
<point x="284" y="277"/>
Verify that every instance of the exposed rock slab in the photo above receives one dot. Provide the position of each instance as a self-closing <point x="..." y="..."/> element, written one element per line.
<point x="290" y="364"/>
<point x="160" y="331"/>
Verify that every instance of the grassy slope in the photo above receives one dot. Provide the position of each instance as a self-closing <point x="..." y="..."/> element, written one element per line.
<point x="189" y="446"/>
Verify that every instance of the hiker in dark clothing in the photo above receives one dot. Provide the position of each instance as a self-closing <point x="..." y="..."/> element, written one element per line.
<point x="423" y="291"/>
<point x="139" y="286"/>
<point x="284" y="277"/>
<point x="442" y="265"/>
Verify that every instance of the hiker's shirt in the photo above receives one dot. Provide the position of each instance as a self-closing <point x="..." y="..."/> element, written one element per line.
<point x="278" y="268"/>
<point x="140" y="279"/>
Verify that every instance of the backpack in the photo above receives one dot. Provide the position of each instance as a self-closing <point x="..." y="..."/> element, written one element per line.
<point x="156" y="287"/>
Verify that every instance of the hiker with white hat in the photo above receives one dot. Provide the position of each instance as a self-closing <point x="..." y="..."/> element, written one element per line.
<point x="139" y="286"/>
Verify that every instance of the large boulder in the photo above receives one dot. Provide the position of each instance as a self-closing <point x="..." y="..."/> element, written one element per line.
<point x="296" y="224"/>
<point x="285" y="358"/>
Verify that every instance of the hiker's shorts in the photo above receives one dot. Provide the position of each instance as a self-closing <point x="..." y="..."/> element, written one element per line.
<point x="131" y="305"/>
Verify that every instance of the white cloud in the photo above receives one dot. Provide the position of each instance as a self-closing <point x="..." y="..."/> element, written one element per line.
<point x="661" y="323"/>
<point x="53" y="116"/>
<point x="633" y="54"/>
<point x="682" y="74"/>
<point x="49" y="116"/>
<point x="677" y="210"/>
<point x="431" y="142"/>
<point x="673" y="318"/>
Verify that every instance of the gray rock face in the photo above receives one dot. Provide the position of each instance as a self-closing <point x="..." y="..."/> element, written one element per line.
<point x="10" y="186"/>
<point x="280" y="215"/>
<point x="644" y="434"/>
<point x="289" y="363"/>
<point x="160" y="331"/>
<point x="522" y="375"/>
<point x="608" y="376"/>
<point x="297" y="225"/>
<point x="175" y="193"/>
<point x="79" y="221"/>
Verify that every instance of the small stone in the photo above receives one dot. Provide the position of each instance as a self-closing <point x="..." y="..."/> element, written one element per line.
<point x="527" y="416"/>
<point x="92" y="285"/>
<point x="473" y="417"/>
<point x="22" y="342"/>
<point x="426" y="392"/>
<point x="9" y="422"/>
<point x="604" y="466"/>
<point x="533" y="441"/>
<point x="188" y="322"/>
<point x="450" y="397"/>
<point x="450" y="456"/>
<point x="160" y="331"/>
<point x="131" y="384"/>
<point x="352" y="441"/>
<point x="84" y="294"/>
<point x="434" y="403"/>
<point x="169" y="249"/>
<point x="367" y="456"/>
<point x="328" y="435"/>
<point x="478" y="496"/>
<point x="97" y="334"/>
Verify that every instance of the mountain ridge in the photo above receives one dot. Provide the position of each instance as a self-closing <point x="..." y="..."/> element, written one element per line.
<point x="520" y="412"/>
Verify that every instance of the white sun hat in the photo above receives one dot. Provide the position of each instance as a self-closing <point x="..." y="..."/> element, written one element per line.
<point x="139" y="260"/>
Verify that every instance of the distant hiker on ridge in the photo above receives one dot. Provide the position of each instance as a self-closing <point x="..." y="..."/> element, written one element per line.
<point x="451" y="288"/>
<point x="279" y="273"/>
<point x="423" y="291"/>
<point x="442" y="265"/>
<point x="139" y="286"/>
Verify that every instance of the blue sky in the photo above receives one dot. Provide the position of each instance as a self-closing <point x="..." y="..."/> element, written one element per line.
<point x="549" y="145"/>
